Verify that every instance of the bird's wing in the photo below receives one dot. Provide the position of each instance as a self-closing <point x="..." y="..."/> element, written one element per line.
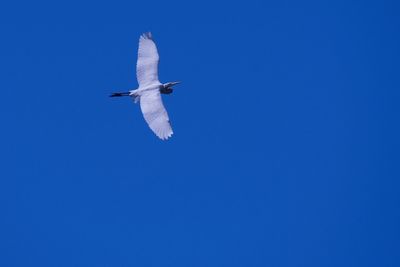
<point x="155" y="114"/>
<point x="147" y="63"/>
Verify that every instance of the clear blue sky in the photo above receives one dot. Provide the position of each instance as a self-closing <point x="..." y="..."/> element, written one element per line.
<point x="286" y="144"/>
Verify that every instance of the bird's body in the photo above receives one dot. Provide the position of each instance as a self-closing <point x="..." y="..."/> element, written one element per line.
<point x="150" y="89"/>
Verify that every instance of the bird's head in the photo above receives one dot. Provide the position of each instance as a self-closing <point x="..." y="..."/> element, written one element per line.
<point x="166" y="88"/>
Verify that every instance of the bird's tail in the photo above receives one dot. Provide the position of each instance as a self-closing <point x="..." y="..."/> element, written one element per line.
<point x="120" y="94"/>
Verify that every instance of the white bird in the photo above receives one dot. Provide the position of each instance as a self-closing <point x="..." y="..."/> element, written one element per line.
<point x="150" y="89"/>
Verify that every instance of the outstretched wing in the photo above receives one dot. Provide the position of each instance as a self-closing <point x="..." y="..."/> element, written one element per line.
<point x="155" y="114"/>
<point x="147" y="63"/>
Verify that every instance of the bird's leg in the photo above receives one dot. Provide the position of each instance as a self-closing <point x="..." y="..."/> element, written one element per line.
<point x="120" y="94"/>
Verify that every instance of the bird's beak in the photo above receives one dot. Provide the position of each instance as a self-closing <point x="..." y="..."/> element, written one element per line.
<point x="174" y="83"/>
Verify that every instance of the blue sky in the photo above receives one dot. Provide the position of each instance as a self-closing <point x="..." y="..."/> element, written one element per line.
<point x="285" y="150"/>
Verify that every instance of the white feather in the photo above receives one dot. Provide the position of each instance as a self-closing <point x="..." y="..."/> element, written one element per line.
<point x="155" y="114"/>
<point x="147" y="63"/>
<point x="148" y="93"/>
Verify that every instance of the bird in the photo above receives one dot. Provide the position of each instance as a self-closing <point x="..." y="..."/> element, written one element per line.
<point x="148" y="94"/>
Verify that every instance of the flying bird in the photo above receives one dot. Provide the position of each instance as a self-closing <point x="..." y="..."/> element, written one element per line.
<point x="150" y="89"/>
